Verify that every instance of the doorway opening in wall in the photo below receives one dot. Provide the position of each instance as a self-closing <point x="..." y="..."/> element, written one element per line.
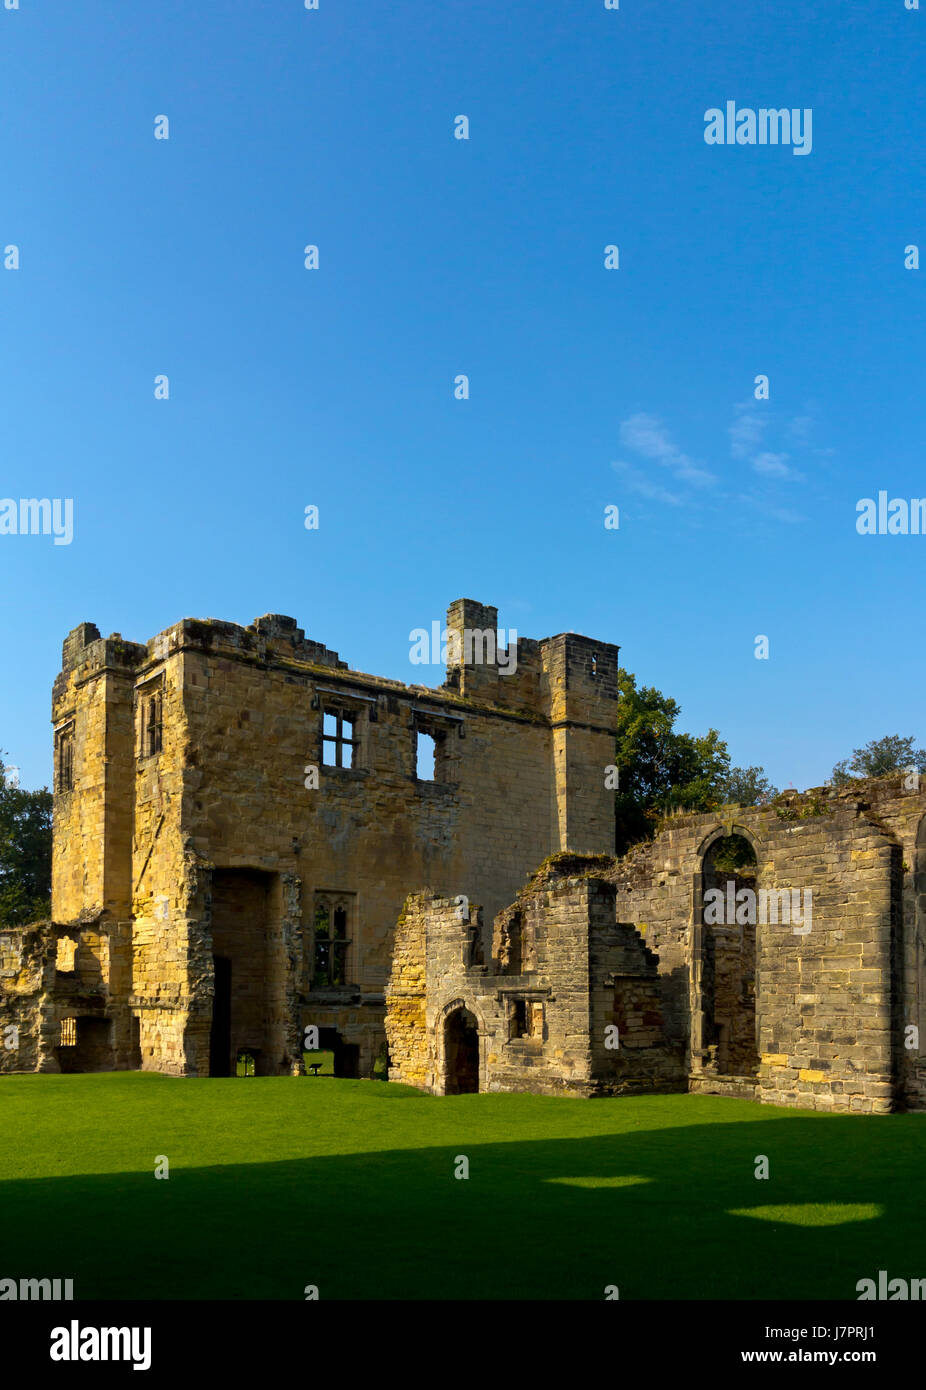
<point x="220" y="1034"/>
<point x="345" y="1056"/>
<point x="85" y="1044"/>
<point x="726" y="987"/>
<point x="250" y="972"/>
<point x="461" y="1053"/>
<point x="244" y="1064"/>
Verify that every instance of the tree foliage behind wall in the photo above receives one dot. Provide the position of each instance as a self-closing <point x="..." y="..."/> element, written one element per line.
<point x="880" y="758"/>
<point x="661" y="770"/>
<point x="25" y="852"/>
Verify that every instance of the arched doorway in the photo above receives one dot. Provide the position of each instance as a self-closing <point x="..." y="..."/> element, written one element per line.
<point x="461" y="1053"/>
<point x="724" y="1041"/>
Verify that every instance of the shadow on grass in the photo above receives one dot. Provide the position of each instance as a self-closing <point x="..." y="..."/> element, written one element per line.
<point x="529" y="1222"/>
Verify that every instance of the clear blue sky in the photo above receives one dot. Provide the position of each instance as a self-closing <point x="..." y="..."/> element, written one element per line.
<point x="486" y="257"/>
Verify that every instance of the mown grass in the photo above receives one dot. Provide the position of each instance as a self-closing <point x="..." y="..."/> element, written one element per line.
<point x="278" y="1183"/>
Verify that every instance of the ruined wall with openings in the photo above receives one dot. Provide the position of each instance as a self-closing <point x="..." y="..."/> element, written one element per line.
<point x="835" y="1005"/>
<point x="568" y="1004"/>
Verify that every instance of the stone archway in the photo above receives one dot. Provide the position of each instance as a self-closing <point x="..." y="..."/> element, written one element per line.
<point x="461" y="1052"/>
<point x="724" y="1023"/>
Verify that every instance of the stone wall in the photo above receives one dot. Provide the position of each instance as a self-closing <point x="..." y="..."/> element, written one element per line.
<point x="28" y="1034"/>
<point x="834" y="1004"/>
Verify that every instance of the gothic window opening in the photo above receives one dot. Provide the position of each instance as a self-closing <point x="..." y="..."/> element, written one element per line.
<point x="68" y="1032"/>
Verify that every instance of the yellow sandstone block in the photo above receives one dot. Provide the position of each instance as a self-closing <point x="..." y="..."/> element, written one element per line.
<point x="775" y="1059"/>
<point x="811" y="1075"/>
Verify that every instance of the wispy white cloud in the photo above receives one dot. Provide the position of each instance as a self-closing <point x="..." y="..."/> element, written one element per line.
<point x="647" y="435"/>
<point x="639" y="483"/>
<point x="747" y="430"/>
<point x="748" y="434"/>
<point x="756" y="436"/>
<point x="775" y="466"/>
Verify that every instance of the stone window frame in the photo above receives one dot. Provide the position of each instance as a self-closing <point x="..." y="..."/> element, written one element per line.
<point x="535" y="1002"/>
<point x="332" y="902"/>
<point x="359" y="712"/>
<point x="64" y="755"/>
<point x="341" y="716"/>
<point x="440" y="727"/>
<point x="149" y="714"/>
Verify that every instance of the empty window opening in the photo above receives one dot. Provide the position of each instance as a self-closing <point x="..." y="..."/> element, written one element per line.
<point x="511" y="961"/>
<point x="338" y="740"/>
<point x="244" y="1064"/>
<point x="68" y="1032"/>
<point x="595" y="664"/>
<point x="426" y="756"/>
<point x="526" y="1018"/>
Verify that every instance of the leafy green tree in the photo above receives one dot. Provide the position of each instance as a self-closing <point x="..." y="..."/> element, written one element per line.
<point x="25" y="853"/>
<point x="879" y="758"/>
<point x="747" y="786"/>
<point x="659" y="769"/>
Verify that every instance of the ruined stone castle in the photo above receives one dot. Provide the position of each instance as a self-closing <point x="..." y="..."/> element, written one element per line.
<point x="250" y="842"/>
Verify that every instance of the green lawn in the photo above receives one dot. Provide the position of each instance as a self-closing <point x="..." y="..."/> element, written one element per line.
<point x="276" y="1183"/>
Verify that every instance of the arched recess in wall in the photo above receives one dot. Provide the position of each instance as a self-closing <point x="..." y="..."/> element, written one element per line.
<point x="724" y="1024"/>
<point x="460" y="1031"/>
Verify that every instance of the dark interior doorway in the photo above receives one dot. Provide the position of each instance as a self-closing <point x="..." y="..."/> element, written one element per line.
<point x="461" y="1051"/>
<point x="86" y="1045"/>
<point x="220" y="1036"/>
<point x="346" y="1056"/>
